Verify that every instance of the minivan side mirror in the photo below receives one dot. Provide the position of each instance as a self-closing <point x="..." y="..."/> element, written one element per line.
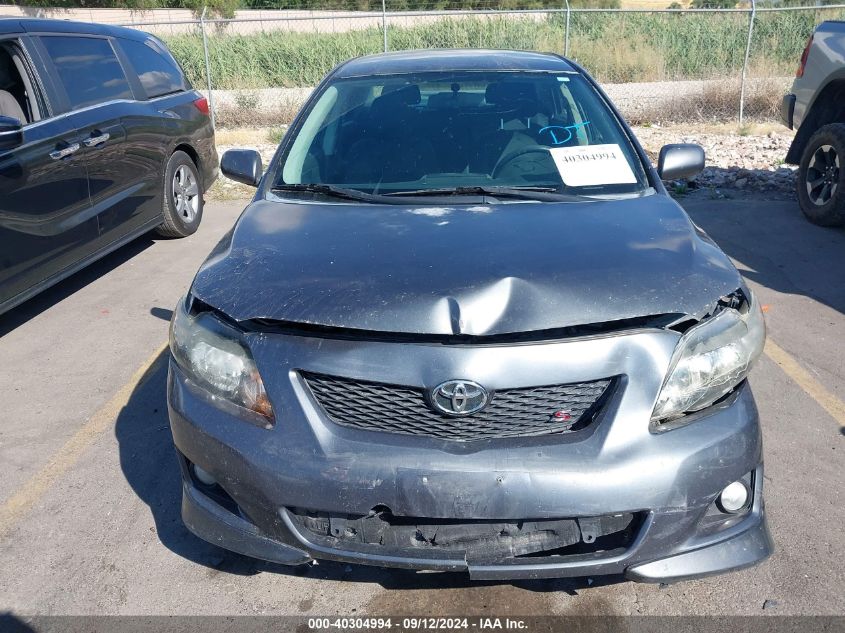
<point x="11" y="133"/>
<point x="242" y="165"/>
<point x="680" y="161"/>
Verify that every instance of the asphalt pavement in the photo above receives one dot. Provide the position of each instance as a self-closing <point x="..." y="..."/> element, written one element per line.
<point x="89" y="493"/>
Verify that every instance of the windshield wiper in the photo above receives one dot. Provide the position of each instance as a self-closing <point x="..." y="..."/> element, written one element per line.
<point x="330" y="190"/>
<point x="524" y="193"/>
<point x="541" y="193"/>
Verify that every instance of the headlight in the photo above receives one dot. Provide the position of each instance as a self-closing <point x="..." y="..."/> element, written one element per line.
<point x="212" y="355"/>
<point x="711" y="359"/>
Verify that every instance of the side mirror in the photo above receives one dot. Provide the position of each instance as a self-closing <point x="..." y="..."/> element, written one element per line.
<point x="680" y="161"/>
<point x="242" y="165"/>
<point x="11" y="133"/>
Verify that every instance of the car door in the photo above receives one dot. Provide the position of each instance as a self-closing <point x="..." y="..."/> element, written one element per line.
<point x="46" y="221"/>
<point x="120" y="166"/>
<point x="163" y="117"/>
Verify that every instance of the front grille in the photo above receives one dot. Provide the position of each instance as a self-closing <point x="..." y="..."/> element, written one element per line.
<point x="523" y="412"/>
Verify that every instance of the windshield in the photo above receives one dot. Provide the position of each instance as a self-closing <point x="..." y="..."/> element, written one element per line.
<point x="464" y="132"/>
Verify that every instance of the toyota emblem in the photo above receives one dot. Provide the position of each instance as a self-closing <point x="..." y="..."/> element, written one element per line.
<point x="459" y="397"/>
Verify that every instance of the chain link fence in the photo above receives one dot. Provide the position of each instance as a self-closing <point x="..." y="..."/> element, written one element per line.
<point x="658" y="65"/>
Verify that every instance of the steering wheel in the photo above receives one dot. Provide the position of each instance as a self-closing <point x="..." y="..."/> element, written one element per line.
<point x="512" y="156"/>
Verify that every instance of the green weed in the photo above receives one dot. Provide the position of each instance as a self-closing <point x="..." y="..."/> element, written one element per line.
<point x="616" y="48"/>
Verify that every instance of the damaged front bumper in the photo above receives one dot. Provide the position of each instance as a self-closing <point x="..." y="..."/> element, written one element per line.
<point x="747" y="544"/>
<point x="615" y="497"/>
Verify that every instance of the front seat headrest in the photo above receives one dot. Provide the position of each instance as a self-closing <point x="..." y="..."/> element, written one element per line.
<point x="510" y="92"/>
<point x="406" y="95"/>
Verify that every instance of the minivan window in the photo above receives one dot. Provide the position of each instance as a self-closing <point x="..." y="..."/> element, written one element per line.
<point x="18" y="99"/>
<point x="88" y="69"/>
<point x="158" y="72"/>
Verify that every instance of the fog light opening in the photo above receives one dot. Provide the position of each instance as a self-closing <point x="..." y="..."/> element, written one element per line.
<point x="734" y="498"/>
<point x="204" y="477"/>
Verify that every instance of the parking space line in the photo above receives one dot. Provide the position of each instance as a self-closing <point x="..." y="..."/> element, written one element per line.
<point x="818" y="392"/>
<point x="28" y="495"/>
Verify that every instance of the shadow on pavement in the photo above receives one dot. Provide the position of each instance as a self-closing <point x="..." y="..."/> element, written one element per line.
<point x="31" y="308"/>
<point x="775" y="246"/>
<point x="149" y="464"/>
<point x="162" y="313"/>
<point x="11" y="624"/>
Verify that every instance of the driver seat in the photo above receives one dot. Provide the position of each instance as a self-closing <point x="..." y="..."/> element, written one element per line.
<point x="516" y="103"/>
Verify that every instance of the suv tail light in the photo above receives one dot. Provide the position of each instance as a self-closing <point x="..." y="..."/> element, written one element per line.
<point x="201" y="104"/>
<point x="804" y="56"/>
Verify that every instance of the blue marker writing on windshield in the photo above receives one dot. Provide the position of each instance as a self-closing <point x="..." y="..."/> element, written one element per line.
<point x="557" y="132"/>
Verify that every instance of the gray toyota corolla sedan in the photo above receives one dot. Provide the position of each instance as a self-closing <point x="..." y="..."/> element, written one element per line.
<point x="462" y="326"/>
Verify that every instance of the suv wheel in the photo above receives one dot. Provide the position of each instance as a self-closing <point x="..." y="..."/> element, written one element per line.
<point x="182" y="197"/>
<point x="821" y="179"/>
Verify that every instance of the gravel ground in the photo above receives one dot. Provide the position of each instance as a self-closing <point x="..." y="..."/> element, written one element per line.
<point x="640" y="101"/>
<point x="738" y="164"/>
<point x="225" y="189"/>
<point x="749" y="163"/>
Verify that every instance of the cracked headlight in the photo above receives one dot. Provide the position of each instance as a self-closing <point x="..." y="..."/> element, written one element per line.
<point x="711" y="359"/>
<point x="213" y="356"/>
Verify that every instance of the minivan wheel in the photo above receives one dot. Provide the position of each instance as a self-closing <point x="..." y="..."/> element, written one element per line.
<point x="182" y="205"/>
<point x="821" y="177"/>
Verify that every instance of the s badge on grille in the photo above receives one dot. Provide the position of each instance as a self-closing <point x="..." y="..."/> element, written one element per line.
<point x="459" y="397"/>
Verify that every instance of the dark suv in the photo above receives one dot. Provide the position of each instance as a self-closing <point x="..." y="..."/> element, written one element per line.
<point x="102" y="139"/>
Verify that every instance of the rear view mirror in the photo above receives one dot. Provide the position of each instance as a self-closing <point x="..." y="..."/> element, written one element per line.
<point x="242" y="165"/>
<point x="680" y="161"/>
<point x="11" y="133"/>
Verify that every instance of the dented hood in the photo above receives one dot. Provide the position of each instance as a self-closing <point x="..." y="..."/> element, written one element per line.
<point x="472" y="270"/>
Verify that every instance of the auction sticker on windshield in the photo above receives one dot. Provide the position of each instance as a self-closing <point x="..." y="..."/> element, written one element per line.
<point x="592" y="165"/>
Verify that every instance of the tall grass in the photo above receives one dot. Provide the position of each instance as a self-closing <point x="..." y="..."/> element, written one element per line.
<point x="615" y="47"/>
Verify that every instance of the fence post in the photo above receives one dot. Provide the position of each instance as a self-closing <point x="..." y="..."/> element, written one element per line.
<point x="207" y="66"/>
<point x="384" y="22"/>
<point x="566" y="34"/>
<point x="745" y="63"/>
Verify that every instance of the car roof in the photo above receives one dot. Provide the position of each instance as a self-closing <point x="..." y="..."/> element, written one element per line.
<point x="44" y="25"/>
<point x="452" y="59"/>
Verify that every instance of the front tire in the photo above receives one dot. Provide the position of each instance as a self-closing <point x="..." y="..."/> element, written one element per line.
<point x="821" y="179"/>
<point x="183" y="203"/>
